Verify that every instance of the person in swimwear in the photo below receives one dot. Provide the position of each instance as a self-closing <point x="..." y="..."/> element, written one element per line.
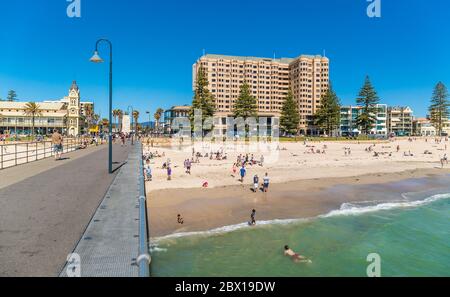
<point x="294" y="256"/>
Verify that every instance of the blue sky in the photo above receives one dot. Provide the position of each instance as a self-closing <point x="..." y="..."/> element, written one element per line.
<point x="405" y="52"/>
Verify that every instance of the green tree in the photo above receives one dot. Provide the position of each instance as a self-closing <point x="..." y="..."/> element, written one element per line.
<point x="290" y="117"/>
<point x="116" y="113"/>
<point x="33" y="110"/>
<point x="439" y="108"/>
<point x="368" y="100"/>
<point x="135" y="116"/>
<point x="246" y="105"/>
<point x="120" y="115"/>
<point x="158" y="115"/>
<point x="203" y="100"/>
<point x="105" y="124"/>
<point x="329" y="114"/>
<point x="89" y="113"/>
<point x="12" y="96"/>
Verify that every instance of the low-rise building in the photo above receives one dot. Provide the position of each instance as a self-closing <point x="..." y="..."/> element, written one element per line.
<point x="171" y="114"/>
<point x="66" y="115"/>
<point x="400" y="120"/>
<point x="423" y="127"/>
<point x="349" y="127"/>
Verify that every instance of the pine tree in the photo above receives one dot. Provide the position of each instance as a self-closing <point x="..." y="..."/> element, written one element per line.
<point x="368" y="100"/>
<point x="12" y="96"/>
<point x="328" y="116"/>
<point x="246" y="105"/>
<point x="439" y="108"/>
<point x="203" y="100"/>
<point x="290" y="117"/>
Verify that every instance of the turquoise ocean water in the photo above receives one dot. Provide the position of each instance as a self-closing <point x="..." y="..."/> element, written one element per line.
<point x="412" y="238"/>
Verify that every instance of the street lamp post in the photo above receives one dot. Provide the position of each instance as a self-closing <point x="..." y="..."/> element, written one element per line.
<point x="96" y="59"/>
<point x="149" y="120"/>
<point x="132" y="122"/>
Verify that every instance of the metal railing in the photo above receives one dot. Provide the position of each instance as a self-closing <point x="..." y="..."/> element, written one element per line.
<point x="22" y="153"/>
<point x="144" y="259"/>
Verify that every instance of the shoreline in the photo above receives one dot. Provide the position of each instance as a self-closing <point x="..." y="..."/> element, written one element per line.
<point x="212" y="208"/>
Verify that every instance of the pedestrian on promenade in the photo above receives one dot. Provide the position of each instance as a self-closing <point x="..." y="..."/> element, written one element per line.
<point x="57" y="141"/>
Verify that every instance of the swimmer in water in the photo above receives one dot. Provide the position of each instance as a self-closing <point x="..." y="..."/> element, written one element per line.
<point x="294" y="256"/>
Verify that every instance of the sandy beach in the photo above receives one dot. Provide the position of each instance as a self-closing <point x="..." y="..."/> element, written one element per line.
<point x="302" y="183"/>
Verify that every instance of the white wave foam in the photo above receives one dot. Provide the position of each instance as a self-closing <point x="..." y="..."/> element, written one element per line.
<point x="348" y="209"/>
<point x="155" y="248"/>
<point x="225" y="229"/>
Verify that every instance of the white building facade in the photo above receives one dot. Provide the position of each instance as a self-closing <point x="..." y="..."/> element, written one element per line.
<point x="66" y="115"/>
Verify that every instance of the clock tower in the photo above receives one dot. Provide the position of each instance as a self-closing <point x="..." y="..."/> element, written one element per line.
<point x="73" y="110"/>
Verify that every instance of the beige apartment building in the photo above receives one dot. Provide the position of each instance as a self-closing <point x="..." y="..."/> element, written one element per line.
<point x="269" y="80"/>
<point x="400" y="120"/>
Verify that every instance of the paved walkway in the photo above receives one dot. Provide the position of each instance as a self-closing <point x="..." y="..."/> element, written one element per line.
<point x="110" y="245"/>
<point x="45" y="207"/>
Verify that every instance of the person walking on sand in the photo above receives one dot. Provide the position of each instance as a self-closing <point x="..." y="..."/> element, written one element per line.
<point x="169" y="173"/>
<point x="252" y="218"/>
<point x="188" y="166"/>
<point x="57" y="141"/>
<point x="243" y="172"/>
<point x="266" y="183"/>
<point x="444" y="160"/>
<point x="255" y="183"/>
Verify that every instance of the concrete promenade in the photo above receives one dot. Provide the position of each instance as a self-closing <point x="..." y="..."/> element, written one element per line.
<point x="45" y="207"/>
<point x="110" y="245"/>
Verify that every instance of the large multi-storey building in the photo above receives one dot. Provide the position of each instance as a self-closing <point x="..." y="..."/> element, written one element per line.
<point x="400" y="120"/>
<point x="269" y="81"/>
<point x="348" y="124"/>
<point x="309" y="77"/>
<point x="65" y="115"/>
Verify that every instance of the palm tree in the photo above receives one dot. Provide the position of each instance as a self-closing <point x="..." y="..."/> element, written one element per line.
<point x="136" y="118"/>
<point x="115" y="116"/>
<point x="158" y="115"/>
<point x="32" y="109"/>
<point x="120" y="115"/>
